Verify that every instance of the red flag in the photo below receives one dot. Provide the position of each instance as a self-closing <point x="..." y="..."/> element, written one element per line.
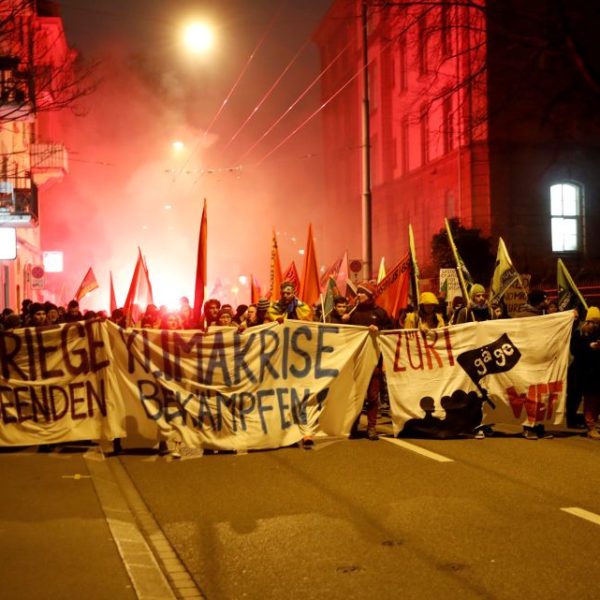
<point x="140" y="292"/>
<point x="254" y="290"/>
<point x="200" y="268"/>
<point x="276" y="277"/>
<point x="113" y="298"/>
<point x="310" y="288"/>
<point x="87" y="285"/>
<point x="392" y="291"/>
<point x="291" y="274"/>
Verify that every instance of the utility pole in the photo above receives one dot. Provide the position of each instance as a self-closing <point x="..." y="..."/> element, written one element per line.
<point x="367" y="245"/>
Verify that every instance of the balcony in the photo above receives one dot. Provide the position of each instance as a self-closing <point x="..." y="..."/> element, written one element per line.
<point x="18" y="206"/>
<point x="14" y="102"/>
<point x="48" y="161"/>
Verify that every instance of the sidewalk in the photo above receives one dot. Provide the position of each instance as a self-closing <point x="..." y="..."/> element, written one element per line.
<point x="56" y="543"/>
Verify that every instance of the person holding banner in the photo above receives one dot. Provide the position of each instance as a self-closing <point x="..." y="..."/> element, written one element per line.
<point x="289" y="306"/>
<point x="426" y="317"/>
<point x="477" y="309"/>
<point x="368" y="314"/>
<point x="585" y="346"/>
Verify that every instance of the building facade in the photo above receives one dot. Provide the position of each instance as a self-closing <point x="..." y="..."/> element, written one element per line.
<point x="36" y="83"/>
<point x="476" y="112"/>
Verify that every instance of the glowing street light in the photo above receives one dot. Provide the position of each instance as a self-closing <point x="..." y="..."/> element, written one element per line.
<point x="198" y="37"/>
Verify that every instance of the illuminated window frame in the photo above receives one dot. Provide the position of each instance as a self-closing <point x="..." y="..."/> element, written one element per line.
<point x="566" y="217"/>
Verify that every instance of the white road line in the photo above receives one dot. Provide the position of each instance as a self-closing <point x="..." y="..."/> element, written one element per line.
<point x="148" y="579"/>
<point x="583" y="514"/>
<point x="418" y="450"/>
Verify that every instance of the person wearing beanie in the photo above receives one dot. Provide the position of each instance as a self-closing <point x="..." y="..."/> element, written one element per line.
<point x="426" y="317"/>
<point x="37" y="315"/>
<point x="368" y="314"/>
<point x="585" y="347"/>
<point x="225" y="317"/>
<point x="289" y="306"/>
<point x="477" y="308"/>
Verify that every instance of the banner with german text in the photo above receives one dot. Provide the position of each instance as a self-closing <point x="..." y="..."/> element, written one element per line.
<point x="443" y="382"/>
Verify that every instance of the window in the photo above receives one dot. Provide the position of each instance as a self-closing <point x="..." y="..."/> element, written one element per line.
<point x="402" y="69"/>
<point x="404" y="145"/>
<point x="445" y="30"/>
<point x="422" y="45"/>
<point x="448" y="131"/>
<point x="424" y="125"/>
<point x="565" y="217"/>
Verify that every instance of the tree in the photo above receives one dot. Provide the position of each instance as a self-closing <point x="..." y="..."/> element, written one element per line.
<point x="472" y="248"/>
<point x="39" y="72"/>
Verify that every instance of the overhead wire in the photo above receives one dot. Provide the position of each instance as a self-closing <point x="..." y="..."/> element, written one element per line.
<point x="236" y="83"/>
<point x="382" y="48"/>
<point x="295" y="103"/>
<point x="269" y="91"/>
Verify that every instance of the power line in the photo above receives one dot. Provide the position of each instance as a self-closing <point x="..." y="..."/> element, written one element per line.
<point x="302" y="95"/>
<point x="269" y="91"/>
<point x="236" y="83"/>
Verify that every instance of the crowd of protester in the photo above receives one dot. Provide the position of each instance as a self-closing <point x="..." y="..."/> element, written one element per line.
<point x="432" y="312"/>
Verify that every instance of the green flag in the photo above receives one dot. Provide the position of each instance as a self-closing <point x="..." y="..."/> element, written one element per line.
<point x="569" y="297"/>
<point x="504" y="275"/>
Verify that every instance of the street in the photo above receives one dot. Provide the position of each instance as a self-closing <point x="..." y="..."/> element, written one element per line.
<point x="496" y="518"/>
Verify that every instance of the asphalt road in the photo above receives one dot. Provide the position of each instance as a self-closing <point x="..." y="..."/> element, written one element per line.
<point x="357" y="519"/>
<point x="349" y="519"/>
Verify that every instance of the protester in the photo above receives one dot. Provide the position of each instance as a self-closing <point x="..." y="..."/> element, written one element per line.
<point x="426" y="317"/>
<point x="225" y="317"/>
<point x="585" y="346"/>
<point x="211" y="311"/>
<point x="340" y="307"/>
<point x="458" y="303"/>
<point x="73" y="313"/>
<point x="289" y="306"/>
<point x="477" y="309"/>
<point x="368" y="314"/>
<point x="37" y="315"/>
<point x="535" y="306"/>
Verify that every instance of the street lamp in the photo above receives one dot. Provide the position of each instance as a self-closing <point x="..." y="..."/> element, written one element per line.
<point x="198" y="37"/>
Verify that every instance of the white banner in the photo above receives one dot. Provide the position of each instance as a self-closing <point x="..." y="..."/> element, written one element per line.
<point x="273" y="384"/>
<point x="57" y="385"/>
<point x="264" y="388"/>
<point x="441" y="383"/>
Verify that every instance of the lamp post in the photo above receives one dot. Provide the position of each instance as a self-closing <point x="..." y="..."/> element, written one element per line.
<point x="367" y="244"/>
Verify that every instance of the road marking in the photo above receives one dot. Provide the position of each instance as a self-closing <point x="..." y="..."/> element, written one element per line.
<point x="148" y="579"/>
<point x="76" y="476"/>
<point x="418" y="450"/>
<point x="583" y="514"/>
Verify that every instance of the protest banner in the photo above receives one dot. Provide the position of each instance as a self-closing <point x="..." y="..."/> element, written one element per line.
<point x="57" y="384"/>
<point x="264" y="388"/>
<point x="439" y="381"/>
<point x="273" y="384"/>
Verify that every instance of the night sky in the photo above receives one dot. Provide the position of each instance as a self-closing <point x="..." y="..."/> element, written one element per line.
<point x="128" y="188"/>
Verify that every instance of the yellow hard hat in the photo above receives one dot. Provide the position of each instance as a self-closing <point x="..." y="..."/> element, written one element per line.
<point x="593" y="314"/>
<point x="428" y="298"/>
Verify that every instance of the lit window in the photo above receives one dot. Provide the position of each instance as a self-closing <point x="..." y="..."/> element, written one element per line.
<point x="565" y="213"/>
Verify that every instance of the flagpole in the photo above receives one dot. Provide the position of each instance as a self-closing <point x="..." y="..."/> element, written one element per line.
<point x="415" y="267"/>
<point x="461" y="278"/>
